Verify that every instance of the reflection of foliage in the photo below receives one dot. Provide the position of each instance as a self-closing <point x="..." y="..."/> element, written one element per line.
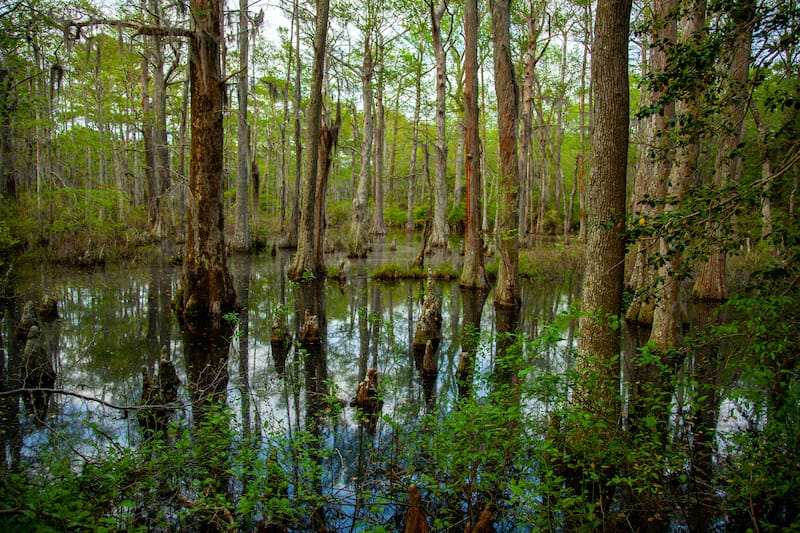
<point x="522" y="447"/>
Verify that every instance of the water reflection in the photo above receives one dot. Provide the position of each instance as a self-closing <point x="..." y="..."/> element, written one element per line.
<point x="288" y="387"/>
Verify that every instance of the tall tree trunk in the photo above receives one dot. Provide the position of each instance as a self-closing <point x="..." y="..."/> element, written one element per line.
<point x="305" y="258"/>
<point x="473" y="274"/>
<point x="390" y="195"/>
<point x="8" y="183"/>
<point x="412" y="172"/>
<point x="666" y="330"/>
<point x="507" y="291"/>
<point x="328" y="137"/>
<point x="291" y="239"/>
<point x="378" y="224"/>
<point x="711" y="282"/>
<point x="241" y="236"/>
<point x="359" y="239"/>
<point x="766" y="175"/>
<point x="526" y="119"/>
<point x="599" y="343"/>
<point x="561" y="111"/>
<point x="286" y="222"/>
<point x="439" y="233"/>
<point x="585" y="110"/>
<point x="207" y="288"/>
<point x="160" y="141"/>
<point x="148" y="134"/>
<point x="181" y="200"/>
<point x="484" y="174"/>
<point x="654" y="165"/>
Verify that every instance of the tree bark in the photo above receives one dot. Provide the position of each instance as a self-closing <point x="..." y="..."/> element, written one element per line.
<point x="305" y="257"/>
<point x="507" y="291"/>
<point x="150" y="175"/>
<point x="654" y="166"/>
<point x="8" y="183"/>
<point x="328" y="137"/>
<point x="711" y="283"/>
<point x="241" y="236"/>
<point x="412" y="172"/>
<point x="599" y="343"/>
<point x="378" y="224"/>
<point x="207" y="288"/>
<point x="359" y="239"/>
<point x="439" y="233"/>
<point x="291" y="238"/>
<point x="473" y="274"/>
<point x="285" y="222"/>
<point x="666" y="320"/>
<point x="160" y="140"/>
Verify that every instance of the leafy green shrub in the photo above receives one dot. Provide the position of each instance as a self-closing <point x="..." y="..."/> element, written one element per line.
<point x="338" y="214"/>
<point x="393" y="271"/>
<point x="395" y="216"/>
<point x="420" y="214"/>
<point x="456" y="218"/>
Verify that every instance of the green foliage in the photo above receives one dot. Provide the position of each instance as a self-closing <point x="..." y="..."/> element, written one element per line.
<point x="338" y="214"/>
<point x="395" y="216"/>
<point x="393" y="271"/>
<point x="8" y="244"/>
<point x="456" y="217"/>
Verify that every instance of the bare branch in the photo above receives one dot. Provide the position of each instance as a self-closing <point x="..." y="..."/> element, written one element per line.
<point x="141" y="29"/>
<point x="16" y="392"/>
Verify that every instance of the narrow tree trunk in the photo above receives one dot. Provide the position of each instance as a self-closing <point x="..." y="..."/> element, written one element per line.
<point x="439" y="233"/>
<point x="291" y="239"/>
<point x="378" y="224"/>
<point x="359" y="239"/>
<point x="412" y="173"/>
<point x="654" y="167"/>
<point x="711" y="282"/>
<point x="507" y="291"/>
<point x="561" y="111"/>
<point x="526" y="121"/>
<point x="159" y="108"/>
<point x="181" y="200"/>
<point x="8" y="183"/>
<point x="305" y="257"/>
<point x="588" y="33"/>
<point x="150" y="175"/>
<point x="390" y="195"/>
<point x="328" y="137"/>
<point x="241" y="236"/>
<point x="484" y="174"/>
<point x="285" y="221"/>
<point x="473" y="274"/>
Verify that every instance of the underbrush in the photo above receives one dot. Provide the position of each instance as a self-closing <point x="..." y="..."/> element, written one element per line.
<point x="516" y="441"/>
<point x="394" y="271"/>
<point x="81" y="228"/>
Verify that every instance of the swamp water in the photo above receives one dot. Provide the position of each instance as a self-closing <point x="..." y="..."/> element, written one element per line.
<point x="290" y="416"/>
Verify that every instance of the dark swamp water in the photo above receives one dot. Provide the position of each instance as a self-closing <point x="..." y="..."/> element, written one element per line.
<point x="289" y="412"/>
<point x="114" y="325"/>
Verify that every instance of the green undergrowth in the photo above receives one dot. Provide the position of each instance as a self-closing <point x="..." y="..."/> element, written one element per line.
<point x="548" y="263"/>
<point x="521" y="439"/>
<point x="394" y="271"/>
<point x="77" y="227"/>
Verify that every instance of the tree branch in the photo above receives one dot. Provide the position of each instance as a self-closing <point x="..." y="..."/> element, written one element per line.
<point x="141" y="29"/>
<point x="16" y="392"/>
